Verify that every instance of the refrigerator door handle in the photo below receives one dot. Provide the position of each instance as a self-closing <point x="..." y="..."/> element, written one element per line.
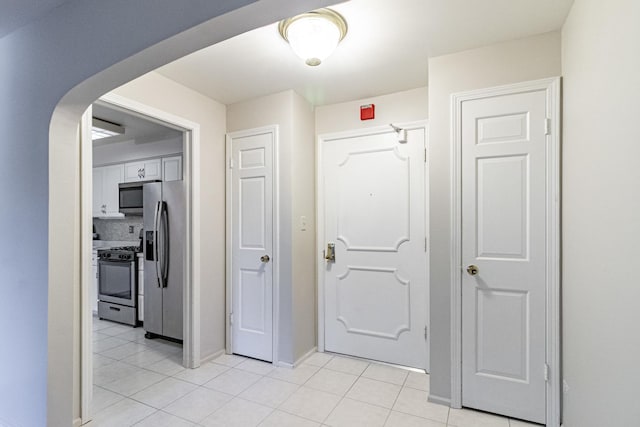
<point x="165" y="243"/>
<point x="156" y="252"/>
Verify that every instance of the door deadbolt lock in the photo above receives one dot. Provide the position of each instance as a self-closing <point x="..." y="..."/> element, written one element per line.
<point x="330" y="254"/>
<point x="472" y="270"/>
<point x="265" y="258"/>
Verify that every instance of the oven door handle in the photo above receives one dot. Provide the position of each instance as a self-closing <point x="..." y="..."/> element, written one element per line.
<point x="156" y="251"/>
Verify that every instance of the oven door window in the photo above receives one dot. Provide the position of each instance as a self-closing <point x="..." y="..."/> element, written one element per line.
<point x="115" y="279"/>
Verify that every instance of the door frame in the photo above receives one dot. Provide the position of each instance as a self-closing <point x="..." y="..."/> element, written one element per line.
<point x="191" y="301"/>
<point x="551" y="86"/>
<point x="275" y="230"/>
<point x="320" y="206"/>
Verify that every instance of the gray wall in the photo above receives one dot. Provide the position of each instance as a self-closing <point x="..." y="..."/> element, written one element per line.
<point x="601" y="213"/>
<point x="51" y="70"/>
<point x="520" y="60"/>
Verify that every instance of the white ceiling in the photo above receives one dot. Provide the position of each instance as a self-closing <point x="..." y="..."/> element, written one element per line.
<point x="136" y="128"/>
<point x="385" y="50"/>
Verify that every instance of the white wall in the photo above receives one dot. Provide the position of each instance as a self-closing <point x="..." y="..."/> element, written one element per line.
<point x="294" y="117"/>
<point x="159" y="92"/>
<point x="601" y="213"/>
<point x="515" y="61"/>
<point x="406" y="106"/>
<point x="51" y="70"/>
<point x="127" y="151"/>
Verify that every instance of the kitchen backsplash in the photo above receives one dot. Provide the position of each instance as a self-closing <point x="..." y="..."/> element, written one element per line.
<point x="118" y="228"/>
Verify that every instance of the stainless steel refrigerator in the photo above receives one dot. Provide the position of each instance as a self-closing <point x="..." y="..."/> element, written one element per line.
<point x="164" y="217"/>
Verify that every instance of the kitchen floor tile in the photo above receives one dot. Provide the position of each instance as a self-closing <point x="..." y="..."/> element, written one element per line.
<point x="234" y="381"/>
<point x="101" y="361"/>
<point x="116" y="329"/>
<point x="124" y="413"/>
<point x="163" y="419"/>
<point x="269" y="392"/>
<point x="198" y="404"/>
<point x="107" y="344"/>
<point x="312" y="404"/>
<point x="134" y="383"/>
<point x="318" y="359"/>
<point x="170" y="366"/>
<point x="414" y="402"/>
<point x="331" y="381"/>
<point x="418" y="381"/>
<point x="230" y="360"/>
<point x="282" y="419"/>
<point x="145" y="358"/>
<point x="400" y="419"/>
<point x="238" y="413"/>
<point x="124" y="351"/>
<point x="161" y="394"/>
<point x="103" y="398"/>
<point x="386" y="373"/>
<point x="113" y="372"/>
<point x="374" y="392"/>
<point x="470" y="418"/>
<point x="205" y="373"/>
<point x="351" y="413"/>
<point x="298" y="375"/>
<point x="256" y="366"/>
<point x="347" y="365"/>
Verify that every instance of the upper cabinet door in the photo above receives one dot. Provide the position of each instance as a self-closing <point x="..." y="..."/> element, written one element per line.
<point x="172" y="168"/>
<point x="145" y="170"/>
<point x="106" y="200"/>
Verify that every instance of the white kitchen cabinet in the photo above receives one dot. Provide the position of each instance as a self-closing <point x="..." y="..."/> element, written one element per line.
<point x="105" y="190"/>
<point x="94" y="282"/>
<point x="172" y="168"/>
<point x="144" y="170"/>
<point x="141" y="288"/>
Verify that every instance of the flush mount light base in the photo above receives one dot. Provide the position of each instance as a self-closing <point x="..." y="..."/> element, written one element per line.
<point x="314" y="35"/>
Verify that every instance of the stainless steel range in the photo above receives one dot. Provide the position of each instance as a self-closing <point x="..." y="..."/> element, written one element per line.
<point x="118" y="284"/>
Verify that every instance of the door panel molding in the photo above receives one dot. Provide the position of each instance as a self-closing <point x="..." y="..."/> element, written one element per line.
<point x="551" y="87"/>
<point x="393" y="246"/>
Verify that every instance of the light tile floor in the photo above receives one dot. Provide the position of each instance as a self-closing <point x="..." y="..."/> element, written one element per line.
<point x="142" y="382"/>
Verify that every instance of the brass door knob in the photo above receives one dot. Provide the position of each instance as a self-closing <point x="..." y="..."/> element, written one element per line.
<point x="472" y="270"/>
<point x="265" y="258"/>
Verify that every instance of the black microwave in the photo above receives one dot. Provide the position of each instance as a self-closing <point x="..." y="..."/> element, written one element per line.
<point x="130" y="197"/>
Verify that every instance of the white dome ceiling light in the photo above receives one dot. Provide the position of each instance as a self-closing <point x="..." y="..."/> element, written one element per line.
<point x="313" y="36"/>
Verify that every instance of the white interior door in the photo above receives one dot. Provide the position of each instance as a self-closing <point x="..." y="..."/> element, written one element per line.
<point x="375" y="290"/>
<point x="252" y="243"/>
<point x="504" y="254"/>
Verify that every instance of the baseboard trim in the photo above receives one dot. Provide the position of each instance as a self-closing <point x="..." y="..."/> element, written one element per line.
<point x="210" y="357"/>
<point x="439" y="400"/>
<point x="305" y="356"/>
<point x="77" y="422"/>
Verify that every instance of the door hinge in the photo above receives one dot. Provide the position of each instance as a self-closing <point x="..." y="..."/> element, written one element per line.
<point x="425" y="332"/>
<point x="546" y="372"/>
<point x="230" y="162"/>
<point x="231" y="318"/>
<point x="425" y="243"/>
<point x="425" y="155"/>
<point x="547" y="126"/>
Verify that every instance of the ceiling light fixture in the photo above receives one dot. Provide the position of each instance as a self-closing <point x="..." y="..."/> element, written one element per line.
<point x="104" y="129"/>
<point x="313" y="36"/>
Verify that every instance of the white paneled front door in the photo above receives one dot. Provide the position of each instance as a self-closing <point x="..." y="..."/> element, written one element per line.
<point x="252" y="243"/>
<point x="504" y="254"/>
<point x="375" y="290"/>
